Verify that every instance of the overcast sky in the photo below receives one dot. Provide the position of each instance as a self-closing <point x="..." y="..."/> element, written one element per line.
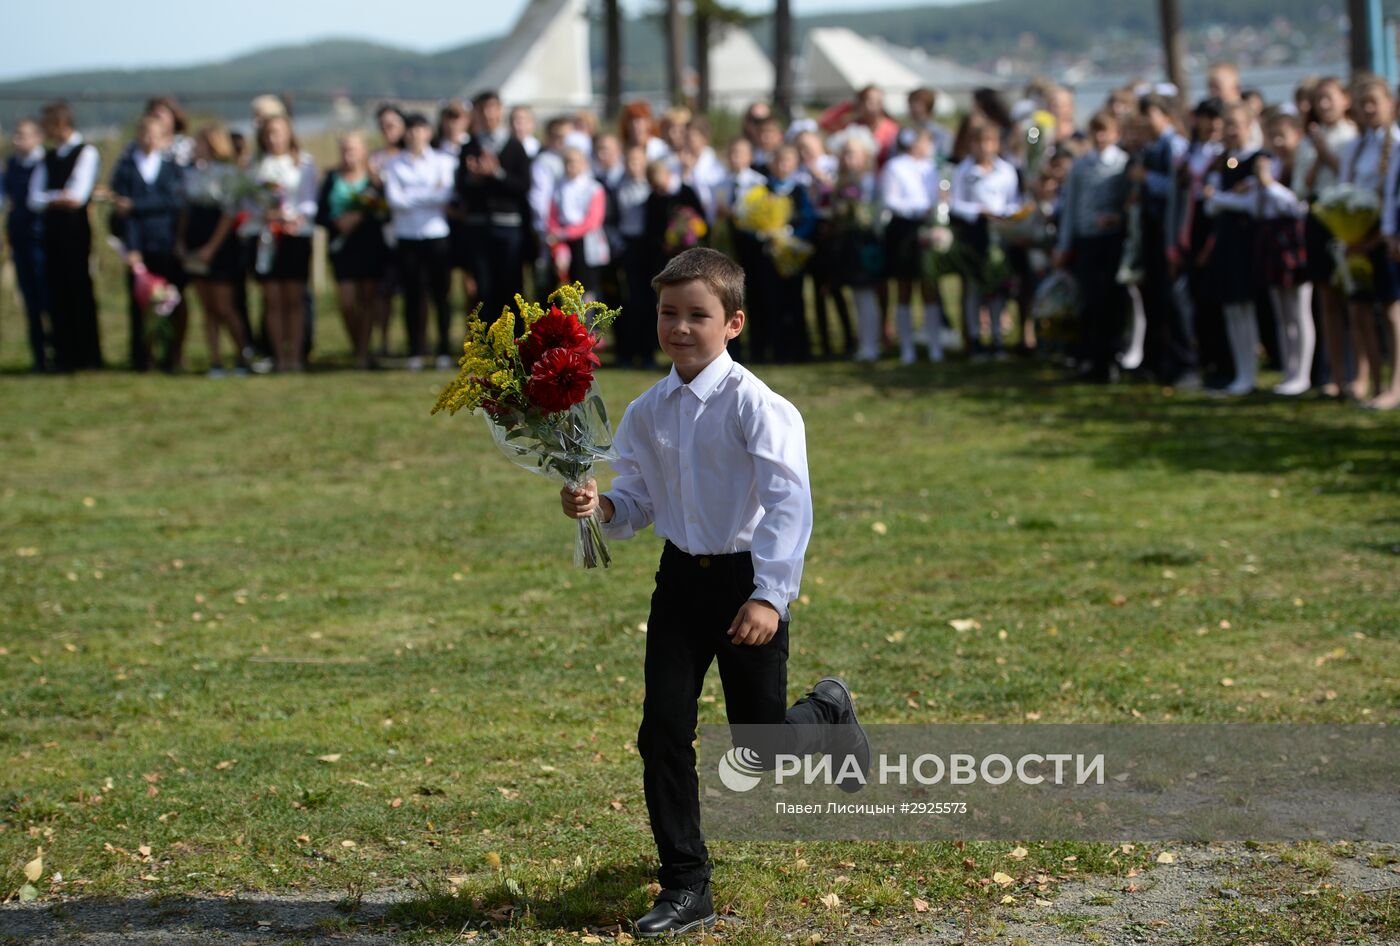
<point x="68" y="35"/>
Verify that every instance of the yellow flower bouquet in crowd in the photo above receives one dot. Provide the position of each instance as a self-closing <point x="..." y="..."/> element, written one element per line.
<point x="538" y="395"/>
<point x="1350" y="214"/>
<point x="769" y="217"/>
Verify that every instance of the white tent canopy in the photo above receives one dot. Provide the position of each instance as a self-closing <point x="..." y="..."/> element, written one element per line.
<point x="740" y="73"/>
<point x="836" y="62"/>
<point x="544" y="61"/>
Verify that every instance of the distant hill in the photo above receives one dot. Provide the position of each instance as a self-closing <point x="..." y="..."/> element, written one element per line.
<point x="1037" y="34"/>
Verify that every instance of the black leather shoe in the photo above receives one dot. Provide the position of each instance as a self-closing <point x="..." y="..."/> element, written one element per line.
<point x="852" y="740"/>
<point x="678" y="910"/>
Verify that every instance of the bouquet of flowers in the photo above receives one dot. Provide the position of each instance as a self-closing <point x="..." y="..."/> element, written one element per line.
<point x="368" y="203"/>
<point x="685" y="229"/>
<point x="769" y="217"/>
<point x="1040" y="134"/>
<point x="537" y="393"/>
<point x="158" y="299"/>
<point x="1055" y="305"/>
<point x="1025" y="226"/>
<point x="1349" y="213"/>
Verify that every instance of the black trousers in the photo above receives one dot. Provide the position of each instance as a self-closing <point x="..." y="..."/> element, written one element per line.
<point x="1171" y="343"/>
<point x="29" y="272"/>
<point x="72" y="303"/>
<point x="1102" y="301"/>
<point x="695" y="600"/>
<point x="635" y="328"/>
<point x="497" y="253"/>
<point x="425" y="265"/>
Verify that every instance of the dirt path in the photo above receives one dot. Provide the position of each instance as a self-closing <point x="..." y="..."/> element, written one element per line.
<point x="1193" y="900"/>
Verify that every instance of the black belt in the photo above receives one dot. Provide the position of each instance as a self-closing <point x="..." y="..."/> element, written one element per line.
<point x="682" y="557"/>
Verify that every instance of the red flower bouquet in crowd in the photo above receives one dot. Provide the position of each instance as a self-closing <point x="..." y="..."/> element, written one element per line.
<point x="537" y="393"/>
<point x="158" y="298"/>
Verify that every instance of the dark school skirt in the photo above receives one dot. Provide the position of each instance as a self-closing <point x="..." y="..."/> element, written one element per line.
<point x="290" y="263"/>
<point x="903" y="254"/>
<point x="226" y="264"/>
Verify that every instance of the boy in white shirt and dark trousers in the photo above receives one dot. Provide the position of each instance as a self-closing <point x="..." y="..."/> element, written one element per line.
<point x="1090" y="243"/>
<point x="719" y="463"/>
<point x="418" y="184"/>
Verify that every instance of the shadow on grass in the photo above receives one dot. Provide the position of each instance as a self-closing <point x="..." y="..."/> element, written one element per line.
<point x="1136" y="424"/>
<point x="605" y="900"/>
<point x="174" y="920"/>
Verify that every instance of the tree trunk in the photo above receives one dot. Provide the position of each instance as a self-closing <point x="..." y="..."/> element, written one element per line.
<point x="702" y="59"/>
<point x="782" y="58"/>
<point x="675" y="52"/>
<point x="612" y="105"/>
<point x="1174" y="46"/>
<point x="1362" y="43"/>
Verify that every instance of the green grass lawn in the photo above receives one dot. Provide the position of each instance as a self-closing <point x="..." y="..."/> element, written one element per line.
<point x="287" y="633"/>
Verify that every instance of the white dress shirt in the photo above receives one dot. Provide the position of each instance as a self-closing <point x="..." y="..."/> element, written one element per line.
<point x="1277" y="201"/>
<point x="974" y="189"/>
<point x="148" y="164"/>
<point x="80" y="182"/>
<point x="418" y="189"/>
<point x="295" y="176"/>
<point x="909" y="186"/>
<point x="720" y="466"/>
<point x="736" y="187"/>
<point x="546" y="171"/>
<point x="1360" y="158"/>
<point x="1337" y="137"/>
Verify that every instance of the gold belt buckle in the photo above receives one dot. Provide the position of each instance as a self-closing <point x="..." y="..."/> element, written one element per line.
<point x="704" y="561"/>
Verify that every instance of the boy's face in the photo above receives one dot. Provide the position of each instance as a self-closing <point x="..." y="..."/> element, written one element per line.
<point x="1283" y="139"/>
<point x="1330" y="104"/>
<point x="692" y="326"/>
<point x="26" y="138"/>
<point x="1103" y="136"/>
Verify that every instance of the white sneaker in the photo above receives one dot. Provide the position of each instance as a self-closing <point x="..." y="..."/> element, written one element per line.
<point x="1292" y="387"/>
<point x="444" y="363"/>
<point x="415" y="363"/>
<point x="952" y="340"/>
<point x="1240" y="387"/>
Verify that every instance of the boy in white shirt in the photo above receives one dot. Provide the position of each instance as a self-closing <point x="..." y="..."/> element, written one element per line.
<point x="719" y="463"/>
<point x="984" y="187"/>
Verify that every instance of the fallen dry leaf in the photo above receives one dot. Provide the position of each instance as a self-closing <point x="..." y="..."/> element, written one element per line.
<point x="35" y="868"/>
<point x="330" y="757"/>
<point x="1002" y="878"/>
<point x="1017" y="853"/>
<point x="965" y="624"/>
<point x="1166" y="857"/>
<point x="920" y="906"/>
<point x="831" y="901"/>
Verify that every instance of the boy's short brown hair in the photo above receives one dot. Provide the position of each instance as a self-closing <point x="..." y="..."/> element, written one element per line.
<point x="1104" y="121"/>
<point x="720" y="274"/>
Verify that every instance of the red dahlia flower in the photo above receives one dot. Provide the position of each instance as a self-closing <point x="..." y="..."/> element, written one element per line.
<point x="556" y="330"/>
<point x="560" y="379"/>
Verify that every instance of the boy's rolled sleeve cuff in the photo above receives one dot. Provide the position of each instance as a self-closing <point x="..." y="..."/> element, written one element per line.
<point x="778" y="599"/>
<point x="620" y="525"/>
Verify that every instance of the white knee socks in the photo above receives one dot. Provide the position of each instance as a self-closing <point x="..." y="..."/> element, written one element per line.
<point x="867" y="325"/>
<point x="1243" y="333"/>
<point x="904" y="325"/>
<point x="1296" y="337"/>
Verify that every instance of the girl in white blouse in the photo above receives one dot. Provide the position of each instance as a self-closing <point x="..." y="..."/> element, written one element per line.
<point x="281" y="214"/>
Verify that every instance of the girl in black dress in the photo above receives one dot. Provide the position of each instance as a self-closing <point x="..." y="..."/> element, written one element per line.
<point x="351" y="208"/>
<point x="1232" y="195"/>
<point x="206" y="243"/>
